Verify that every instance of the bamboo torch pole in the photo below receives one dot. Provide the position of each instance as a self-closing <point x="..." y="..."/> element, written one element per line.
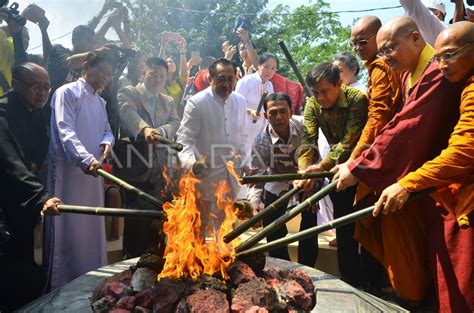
<point x="310" y="232"/>
<point x="260" y="216"/>
<point x="255" y="179"/>
<point x="287" y="216"/>
<point x="140" y="193"/>
<point x="63" y="208"/>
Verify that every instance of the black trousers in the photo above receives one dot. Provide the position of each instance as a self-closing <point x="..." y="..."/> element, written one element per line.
<point x="307" y="248"/>
<point x="21" y="279"/>
<point x="347" y="247"/>
<point x="142" y="235"/>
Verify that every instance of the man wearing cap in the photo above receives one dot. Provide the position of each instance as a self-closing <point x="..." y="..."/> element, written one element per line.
<point x="428" y="15"/>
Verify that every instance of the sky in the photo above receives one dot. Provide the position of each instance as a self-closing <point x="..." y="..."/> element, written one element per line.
<point x="65" y="15"/>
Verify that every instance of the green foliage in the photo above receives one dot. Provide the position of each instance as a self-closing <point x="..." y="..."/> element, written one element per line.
<point x="310" y="36"/>
<point x="205" y="24"/>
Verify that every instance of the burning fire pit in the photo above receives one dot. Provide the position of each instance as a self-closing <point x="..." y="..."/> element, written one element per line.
<point x="248" y="289"/>
<point x="202" y="275"/>
<point x="199" y="275"/>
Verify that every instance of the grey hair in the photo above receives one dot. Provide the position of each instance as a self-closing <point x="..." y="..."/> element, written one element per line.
<point x="349" y="60"/>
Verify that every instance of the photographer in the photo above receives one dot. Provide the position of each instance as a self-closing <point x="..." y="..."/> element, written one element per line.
<point x="11" y="44"/>
<point x="36" y="15"/>
<point x="176" y="79"/>
<point x="247" y="52"/>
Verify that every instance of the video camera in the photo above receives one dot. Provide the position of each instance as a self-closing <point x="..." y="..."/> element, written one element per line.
<point x="125" y="55"/>
<point x="13" y="13"/>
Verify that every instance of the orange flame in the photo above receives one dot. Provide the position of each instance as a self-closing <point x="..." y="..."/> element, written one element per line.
<point x="231" y="170"/>
<point x="187" y="254"/>
<point x="168" y="180"/>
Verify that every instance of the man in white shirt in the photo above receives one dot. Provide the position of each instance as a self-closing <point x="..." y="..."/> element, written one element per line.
<point x="214" y="127"/>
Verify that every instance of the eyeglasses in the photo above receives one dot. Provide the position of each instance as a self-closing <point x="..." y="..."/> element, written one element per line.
<point x="387" y="52"/>
<point x="449" y="56"/>
<point x="37" y="87"/>
<point x="361" y="42"/>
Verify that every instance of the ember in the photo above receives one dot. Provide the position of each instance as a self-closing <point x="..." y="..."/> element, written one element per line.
<point x="279" y="289"/>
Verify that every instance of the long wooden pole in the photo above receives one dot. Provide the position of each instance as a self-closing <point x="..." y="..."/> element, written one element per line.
<point x="287" y="216"/>
<point x="254" y="179"/>
<point x="173" y="145"/>
<point x="260" y="216"/>
<point x="110" y="211"/>
<point x="140" y="193"/>
<point x="310" y="232"/>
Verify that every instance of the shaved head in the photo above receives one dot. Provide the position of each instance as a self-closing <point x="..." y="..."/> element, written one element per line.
<point x="370" y="24"/>
<point x="31" y="84"/>
<point x="459" y="33"/>
<point x="399" y="26"/>
<point x="28" y="69"/>
<point x="363" y="37"/>
<point x="455" y="49"/>
<point x="400" y="42"/>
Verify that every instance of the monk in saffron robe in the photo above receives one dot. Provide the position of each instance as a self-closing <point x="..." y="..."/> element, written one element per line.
<point x="450" y="226"/>
<point x="383" y="86"/>
<point x="417" y="133"/>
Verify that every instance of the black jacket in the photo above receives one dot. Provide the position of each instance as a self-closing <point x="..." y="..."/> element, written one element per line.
<point x="22" y="194"/>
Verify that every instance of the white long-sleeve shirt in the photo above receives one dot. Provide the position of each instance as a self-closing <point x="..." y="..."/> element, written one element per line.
<point x="430" y="26"/>
<point x="216" y="129"/>
<point x="251" y="87"/>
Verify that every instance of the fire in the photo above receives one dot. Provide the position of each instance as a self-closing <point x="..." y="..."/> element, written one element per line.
<point x="168" y="180"/>
<point x="231" y="170"/>
<point x="187" y="254"/>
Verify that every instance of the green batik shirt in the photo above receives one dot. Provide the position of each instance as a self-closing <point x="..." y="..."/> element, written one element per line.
<point x="341" y="124"/>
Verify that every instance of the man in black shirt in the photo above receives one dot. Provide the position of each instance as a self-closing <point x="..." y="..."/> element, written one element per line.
<point x="22" y="196"/>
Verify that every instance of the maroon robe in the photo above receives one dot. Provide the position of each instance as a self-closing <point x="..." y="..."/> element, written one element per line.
<point x="415" y="135"/>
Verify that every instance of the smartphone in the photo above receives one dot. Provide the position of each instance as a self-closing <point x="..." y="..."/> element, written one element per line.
<point x="195" y="54"/>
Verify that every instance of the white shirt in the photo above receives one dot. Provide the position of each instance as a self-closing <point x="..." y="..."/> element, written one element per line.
<point x="251" y="87"/>
<point x="430" y="26"/>
<point x="359" y="86"/>
<point x="214" y="128"/>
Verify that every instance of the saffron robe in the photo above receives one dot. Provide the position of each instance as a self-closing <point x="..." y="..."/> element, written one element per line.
<point x="415" y="134"/>
<point x="452" y="239"/>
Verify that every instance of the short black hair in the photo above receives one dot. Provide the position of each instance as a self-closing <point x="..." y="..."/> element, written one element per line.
<point x="107" y="55"/>
<point x="323" y="70"/>
<point x="223" y="62"/>
<point x="267" y="55"/>
<point x="278" y="96"/>
<point x="81" y="32"/>
<point x="156" y="61"/>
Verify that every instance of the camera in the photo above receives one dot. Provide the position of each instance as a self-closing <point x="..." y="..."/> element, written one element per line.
<point x="241" y="22"/>
<point x="13" y="13"/>
<point x="115" y="4"/>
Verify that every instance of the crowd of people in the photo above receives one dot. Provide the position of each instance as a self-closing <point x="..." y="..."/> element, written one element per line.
<point x="66" y="114"/>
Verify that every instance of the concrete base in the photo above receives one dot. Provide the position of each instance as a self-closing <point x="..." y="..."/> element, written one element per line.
<point x="333" y="295"/>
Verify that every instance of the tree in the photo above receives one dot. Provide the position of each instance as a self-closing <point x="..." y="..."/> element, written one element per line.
<point x="310" y="35"/>
<point x="205" y="24"/>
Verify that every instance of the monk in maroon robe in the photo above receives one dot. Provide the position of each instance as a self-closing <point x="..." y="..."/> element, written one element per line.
<point x="451" y="227"/>
<point x="417" y="133"/>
